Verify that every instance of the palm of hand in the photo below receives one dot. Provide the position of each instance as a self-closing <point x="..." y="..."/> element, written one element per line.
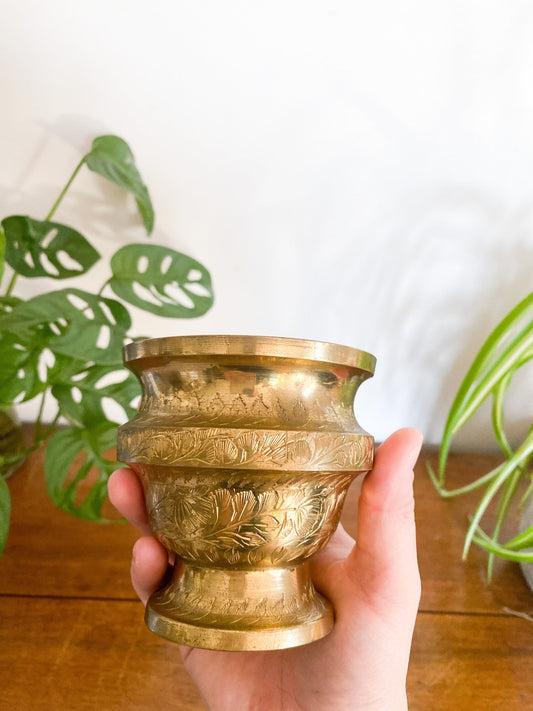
<point x="374" y="587"/>
<point x="321" y="675"/>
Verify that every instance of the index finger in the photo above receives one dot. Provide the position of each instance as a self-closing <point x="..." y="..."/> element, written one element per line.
<point x="127" y="496"/>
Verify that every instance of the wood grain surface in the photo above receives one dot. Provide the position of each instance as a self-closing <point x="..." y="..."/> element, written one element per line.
<point x="72" y="634"/>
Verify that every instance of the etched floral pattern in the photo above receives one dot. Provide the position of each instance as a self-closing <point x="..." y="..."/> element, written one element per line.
<point x="241" y="521"/>
<point x="189" y="603"/>
<point x="256" y="449"/>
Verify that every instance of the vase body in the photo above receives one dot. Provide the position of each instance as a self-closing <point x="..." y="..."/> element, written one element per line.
<point x="246" y="447"/>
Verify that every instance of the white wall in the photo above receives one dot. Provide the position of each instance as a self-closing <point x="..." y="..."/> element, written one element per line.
<point x="359" y="172"/>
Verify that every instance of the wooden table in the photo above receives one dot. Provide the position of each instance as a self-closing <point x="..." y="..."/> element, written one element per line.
<point x="72" y="635"/>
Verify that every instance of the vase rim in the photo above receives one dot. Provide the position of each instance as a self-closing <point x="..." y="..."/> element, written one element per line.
<point x="262" y="346"/>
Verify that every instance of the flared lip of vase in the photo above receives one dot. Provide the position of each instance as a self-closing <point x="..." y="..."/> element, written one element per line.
<point x="262" y="346"/>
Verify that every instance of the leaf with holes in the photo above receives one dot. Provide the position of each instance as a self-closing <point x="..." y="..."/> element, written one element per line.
<point x="76" y="473"/>
<point x="111" y="157"/>
<point x="38" y="248"/>
<point x="8" y="303"/>
<point x="161" y="281"/>
<point x="85" y="326"/>
<point x="84" y="397"/>
<point x="19" y="374"/>
<point x="29" y="366"/>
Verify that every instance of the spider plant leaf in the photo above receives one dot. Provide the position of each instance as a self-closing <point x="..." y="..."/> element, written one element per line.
<point x="509" y="360"/>
<point x="476" y="484"/>
<point x="162" y="281"/>
<point x="498" y="394"/>
<point x="5" y="513"/>
<point x="527" y="494"/>
<point x="39" y="248"/>
<point x="497" y="413"/>
<point x="82" y="398"/>
<point x="476" y="373"/>
<point x="112" y="158"/>
<point x="521" y="454"/>
<point x="508" y="492"/>
<point x="484" y="541"/>
<point x="72" y="455"/>
<point x="523" y="540"/>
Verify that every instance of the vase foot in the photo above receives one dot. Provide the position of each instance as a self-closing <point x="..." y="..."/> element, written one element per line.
<point x="240" y="610"/>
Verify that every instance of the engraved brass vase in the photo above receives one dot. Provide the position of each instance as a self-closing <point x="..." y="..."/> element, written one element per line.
<point x="246" y="447"/>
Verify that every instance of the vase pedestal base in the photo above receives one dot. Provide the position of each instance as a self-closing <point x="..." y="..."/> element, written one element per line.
<point x="240" y="610"/>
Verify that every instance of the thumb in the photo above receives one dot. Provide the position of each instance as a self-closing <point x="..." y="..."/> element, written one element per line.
<point x="383" y="563"/>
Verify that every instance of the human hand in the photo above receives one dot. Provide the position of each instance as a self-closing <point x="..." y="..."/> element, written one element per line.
<point x="374" y="587"/>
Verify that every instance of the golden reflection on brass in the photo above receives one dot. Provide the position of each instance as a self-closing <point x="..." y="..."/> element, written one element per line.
<point x="246" y="447"/>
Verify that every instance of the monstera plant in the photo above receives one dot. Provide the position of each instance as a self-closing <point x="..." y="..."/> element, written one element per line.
<point x="64" y="346"/>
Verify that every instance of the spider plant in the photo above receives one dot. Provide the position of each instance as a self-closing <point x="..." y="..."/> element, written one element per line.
<point x="508" y="348"/>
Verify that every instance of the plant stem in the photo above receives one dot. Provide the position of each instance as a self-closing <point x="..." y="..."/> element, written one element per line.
<point x="39" y="417"/>
<point x="11" y="284"/>
<point x="49" y="216"/>
<point x="67" y="186"/>
<point x="37" y="441"/>
<point x="106" y="282"/>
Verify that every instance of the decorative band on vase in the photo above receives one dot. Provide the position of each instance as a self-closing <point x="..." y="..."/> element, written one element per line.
<point x="213" y="447"/>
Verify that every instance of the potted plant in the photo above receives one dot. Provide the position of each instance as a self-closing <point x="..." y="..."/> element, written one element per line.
<point x="65" y="346"/>
<point x="508" y="348"/>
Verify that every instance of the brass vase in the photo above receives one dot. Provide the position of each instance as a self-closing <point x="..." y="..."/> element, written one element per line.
<point x="246" y="447"/>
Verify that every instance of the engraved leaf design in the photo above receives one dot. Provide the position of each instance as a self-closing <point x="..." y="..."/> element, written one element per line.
<point x="278" y="554"/>
<point x="243" y="503"/>
<point x="223" y="509"/>
<point x="222" y="451"/>
<point x="299" y="451"/>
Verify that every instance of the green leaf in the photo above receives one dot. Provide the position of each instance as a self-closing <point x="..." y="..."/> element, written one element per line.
<point x="510" y="358"/>
<point x="5" y="513"/>
<point x="82" y="397"/>
<point x="523" y="540"/>
<point x="111" y="157"/>
<point x="8" y="303"/>
<point x="450" y="493"/>
<point x="29" y="366"/>
<point x="71" y="456"/>
<point x="494" y="359"/>
<point x="508" y="492"/>
<point x="497" y="413"/>
<point x="162" y="281"/>
<point x="503" y="551"/>
<point x="2" y="253"/>
<point x="84" y="326"/>
<point x="19" y="374"/>
<point x="38" y="248"/>
<point x="523" y="452"/>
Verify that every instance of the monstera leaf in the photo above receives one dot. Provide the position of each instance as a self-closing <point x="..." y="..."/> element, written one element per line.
<point x="111" y="157"/>
<point x="39" y="248"/>
<point x="65" y="475"/>
<point x="19" y="374"/>
<point x="84" y="326"/>
<point x="83" y="395"/>
<point x="161" y="280"/>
